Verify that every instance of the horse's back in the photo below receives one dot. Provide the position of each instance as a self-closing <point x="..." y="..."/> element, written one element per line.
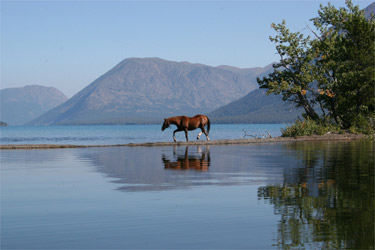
<point x="202" y="118"/>
<point x="194" y="118"/>
<point x="191" y="122"/>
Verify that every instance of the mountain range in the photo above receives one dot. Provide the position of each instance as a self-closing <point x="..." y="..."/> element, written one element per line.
<point x="21" y="105"/>
<point x="144" y="90"/>
<point x="256" y="107"/>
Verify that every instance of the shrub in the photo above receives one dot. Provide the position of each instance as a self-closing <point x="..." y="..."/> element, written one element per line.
<point x="362" y="125"/>
<point x="309" y="127"/>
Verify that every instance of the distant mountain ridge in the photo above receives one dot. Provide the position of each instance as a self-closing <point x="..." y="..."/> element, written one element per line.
<point x="370" y="10"/>
<point x="141" y="90"/>
<point x="21" y="105"/>
<point x="256" y="107"/>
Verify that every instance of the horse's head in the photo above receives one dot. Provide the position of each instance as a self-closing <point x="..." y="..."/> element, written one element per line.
<point x="165" y="124"/>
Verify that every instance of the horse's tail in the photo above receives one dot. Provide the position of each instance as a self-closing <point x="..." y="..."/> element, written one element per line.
<point x="208" y="125"/>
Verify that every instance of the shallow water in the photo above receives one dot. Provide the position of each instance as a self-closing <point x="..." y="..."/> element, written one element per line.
<point x="124" y="134"/>
<point x="279" y="195"/>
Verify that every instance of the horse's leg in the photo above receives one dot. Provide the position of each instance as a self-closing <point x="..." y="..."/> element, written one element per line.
<point x="186" y="134"/>
<point x="199" y="135"/>
<point x="205" y="132"/>
<point x="177" y="130"/>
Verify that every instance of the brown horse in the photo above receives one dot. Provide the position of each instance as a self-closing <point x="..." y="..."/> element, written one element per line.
<point x="185" y="123"/>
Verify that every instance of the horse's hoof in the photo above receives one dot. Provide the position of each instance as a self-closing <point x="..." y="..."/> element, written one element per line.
<point x="198" y="138"/>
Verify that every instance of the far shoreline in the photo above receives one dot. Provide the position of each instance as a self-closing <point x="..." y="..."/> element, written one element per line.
<point x="326" y="137"/>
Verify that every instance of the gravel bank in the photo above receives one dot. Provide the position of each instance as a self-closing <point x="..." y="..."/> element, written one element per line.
<point x="326" y="137"/>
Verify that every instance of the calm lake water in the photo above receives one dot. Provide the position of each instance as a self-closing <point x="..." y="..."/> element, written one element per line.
<point x="316" y="195"/>
<point x="123" y="134"/>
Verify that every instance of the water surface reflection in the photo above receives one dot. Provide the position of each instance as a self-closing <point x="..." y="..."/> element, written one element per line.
<point x="315" y="195"/>
<point x="148" y="168"/>
<point x="328" y="202"/>
<point x="199" y="161"/>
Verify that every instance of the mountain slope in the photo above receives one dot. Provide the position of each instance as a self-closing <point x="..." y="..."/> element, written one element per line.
<point x="256" y="107"/>
<point x="370" y="10"/>
<point x="146" y="89"/>
<point x="21" y="105"/>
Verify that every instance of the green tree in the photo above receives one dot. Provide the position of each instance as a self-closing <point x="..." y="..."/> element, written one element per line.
<point x="293" y="76"/>
<point x="345" y="52"/>
<point x="335" y="70"/>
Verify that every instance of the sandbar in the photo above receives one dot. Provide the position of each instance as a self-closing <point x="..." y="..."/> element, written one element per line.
<point x="326" y="137"/>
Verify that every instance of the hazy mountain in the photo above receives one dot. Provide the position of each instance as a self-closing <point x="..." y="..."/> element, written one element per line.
<point x="21" y="105"/>
<point x="256" y="107"/>
<point x="370" y="10"/>
<point x="147" y="89"/>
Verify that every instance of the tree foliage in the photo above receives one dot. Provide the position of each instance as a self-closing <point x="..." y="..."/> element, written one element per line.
<point x="330" y="75"/>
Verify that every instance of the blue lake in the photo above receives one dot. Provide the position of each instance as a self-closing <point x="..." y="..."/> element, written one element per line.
<point x="315" y="195"/>
<point x="123" y="134"/>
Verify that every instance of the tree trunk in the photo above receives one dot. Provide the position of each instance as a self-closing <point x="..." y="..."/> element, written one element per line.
<point x="310" y="112"/>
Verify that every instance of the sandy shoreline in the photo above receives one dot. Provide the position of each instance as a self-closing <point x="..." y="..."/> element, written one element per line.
<point x="327" y="137"/>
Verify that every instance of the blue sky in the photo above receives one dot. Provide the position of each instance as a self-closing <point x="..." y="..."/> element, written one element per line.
<point x="68" y="44"/>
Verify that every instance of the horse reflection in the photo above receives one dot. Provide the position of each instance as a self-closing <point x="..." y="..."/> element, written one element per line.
<point x="198" y="161"/>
